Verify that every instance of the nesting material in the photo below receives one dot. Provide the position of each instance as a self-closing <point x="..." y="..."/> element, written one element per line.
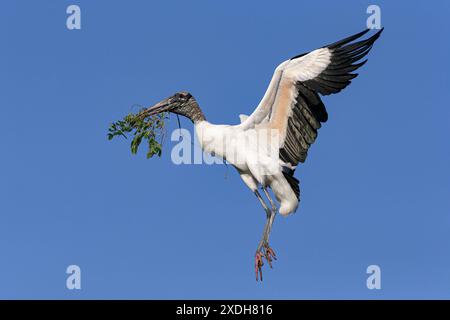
<point x="141" y="127"/>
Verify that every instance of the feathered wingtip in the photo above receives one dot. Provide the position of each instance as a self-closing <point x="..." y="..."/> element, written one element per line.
<point x="347" y="40"/>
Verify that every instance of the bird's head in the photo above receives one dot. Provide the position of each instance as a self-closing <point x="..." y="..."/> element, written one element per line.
<point x="182" y="103"/>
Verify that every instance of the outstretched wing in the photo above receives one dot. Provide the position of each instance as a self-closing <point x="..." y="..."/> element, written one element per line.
<point x="262" y="111"/>
<point x="292" y="104"/>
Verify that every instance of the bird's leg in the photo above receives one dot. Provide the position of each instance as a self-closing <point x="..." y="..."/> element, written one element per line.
<point x="263" y="203"/>
<point x="269" y="253"/>
<point x="272" y="203"/>
<point x="263" y="249"/>
<point x="259" y="255"/>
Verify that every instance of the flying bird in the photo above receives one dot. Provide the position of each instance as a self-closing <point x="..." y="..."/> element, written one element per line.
<point x="268" y="145"/>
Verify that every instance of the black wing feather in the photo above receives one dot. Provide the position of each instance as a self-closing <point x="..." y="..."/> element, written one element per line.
<point x="309" y="110"/>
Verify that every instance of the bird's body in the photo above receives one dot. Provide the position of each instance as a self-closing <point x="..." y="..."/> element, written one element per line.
<point x="257" y="163"/>
<point x="267" y="146"/>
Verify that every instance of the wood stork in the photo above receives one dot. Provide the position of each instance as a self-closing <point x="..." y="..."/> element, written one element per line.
<point x="293" y="109"/>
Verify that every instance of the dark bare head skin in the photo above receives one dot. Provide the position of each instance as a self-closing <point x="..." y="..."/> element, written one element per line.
<point x="182" y="103"/>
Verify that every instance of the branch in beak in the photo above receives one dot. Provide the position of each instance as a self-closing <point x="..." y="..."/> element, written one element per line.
<point x="157" y="108"/>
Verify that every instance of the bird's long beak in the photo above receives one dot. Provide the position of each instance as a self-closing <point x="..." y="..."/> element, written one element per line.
<point x="161" y="106"/>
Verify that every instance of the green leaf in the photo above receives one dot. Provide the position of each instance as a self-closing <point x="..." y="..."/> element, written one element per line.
<point x="141" y="127"/>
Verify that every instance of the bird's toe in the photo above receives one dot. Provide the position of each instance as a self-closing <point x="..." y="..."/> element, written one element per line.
<point x="258" y="265"/>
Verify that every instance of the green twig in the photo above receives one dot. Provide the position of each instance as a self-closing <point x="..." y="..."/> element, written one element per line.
<point x="141" y="127"/>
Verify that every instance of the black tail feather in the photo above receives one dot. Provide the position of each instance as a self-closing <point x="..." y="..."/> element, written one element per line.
<point x="293" y="182"/>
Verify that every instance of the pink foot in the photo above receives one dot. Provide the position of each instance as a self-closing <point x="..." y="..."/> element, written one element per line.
<point x="270" y="255"/>
<point x="258" y="264"/>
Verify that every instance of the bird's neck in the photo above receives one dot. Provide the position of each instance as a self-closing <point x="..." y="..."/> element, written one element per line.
<point x="197" y="115"/>
<point x="212" y="138"/>
<point x="192" y="111"/>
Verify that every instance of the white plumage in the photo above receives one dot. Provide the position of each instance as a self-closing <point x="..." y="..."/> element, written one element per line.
<point x="267" y="146"/>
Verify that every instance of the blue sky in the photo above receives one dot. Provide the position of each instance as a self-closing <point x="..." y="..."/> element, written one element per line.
<point x="375" y="188"/>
